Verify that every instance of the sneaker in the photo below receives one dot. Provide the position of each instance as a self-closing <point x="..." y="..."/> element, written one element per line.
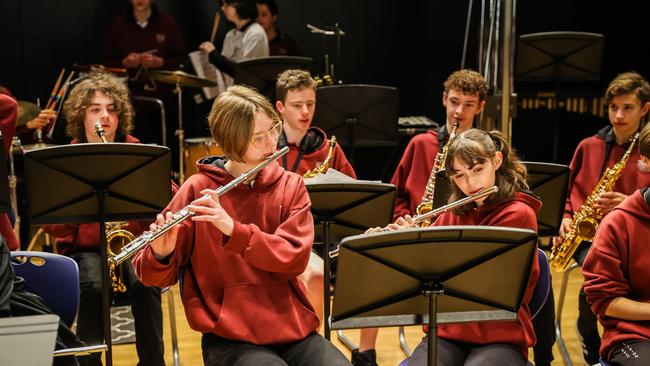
<point x="365" y="358"/>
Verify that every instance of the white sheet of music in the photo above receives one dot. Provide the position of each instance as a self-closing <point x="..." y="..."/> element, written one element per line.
<point x="206" y="70"/>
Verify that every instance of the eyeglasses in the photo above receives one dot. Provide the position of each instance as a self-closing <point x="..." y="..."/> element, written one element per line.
<point x="258" y="139"/>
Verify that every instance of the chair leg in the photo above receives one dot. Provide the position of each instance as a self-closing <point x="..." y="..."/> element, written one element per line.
<point x="558" y="317"/>
<point x="402" y="343"/>
<point x="172" y="325"/>
<point x="345" y="340"/>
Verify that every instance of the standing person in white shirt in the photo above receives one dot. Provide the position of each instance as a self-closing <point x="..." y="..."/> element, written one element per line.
<point x="246" y="41"/>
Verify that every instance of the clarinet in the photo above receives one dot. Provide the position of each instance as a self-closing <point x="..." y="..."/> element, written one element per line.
<point x="147" y="237"/>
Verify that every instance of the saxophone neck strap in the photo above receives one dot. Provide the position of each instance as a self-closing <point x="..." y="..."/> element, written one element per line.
<point x="302" y="147"/>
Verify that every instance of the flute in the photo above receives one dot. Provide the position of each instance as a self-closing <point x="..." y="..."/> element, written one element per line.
<point x="427" y="216"/>
<point x="130" y="249"/>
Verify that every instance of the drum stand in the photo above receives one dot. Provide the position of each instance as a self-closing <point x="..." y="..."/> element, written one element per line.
<point x="180" y="132"/>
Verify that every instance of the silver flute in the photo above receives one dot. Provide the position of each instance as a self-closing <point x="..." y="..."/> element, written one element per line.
<point x="427" y="216"/>
<point x="130" y="249"/>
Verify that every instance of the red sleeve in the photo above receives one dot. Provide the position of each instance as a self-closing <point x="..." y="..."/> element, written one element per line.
<point x="60" y="230"/>
<point x="575" y="167"/>
<point x="603" y="268"/>
<point x="287" y="249"/>
<point x="8" y="115"/>
<point x="7" y="232"/>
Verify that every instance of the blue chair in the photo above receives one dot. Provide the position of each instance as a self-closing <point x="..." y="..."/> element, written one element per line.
<point x="55" y="278"/>
<point x="540" y="294"/>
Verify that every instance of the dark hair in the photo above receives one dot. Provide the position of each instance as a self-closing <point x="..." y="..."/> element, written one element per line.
<point x="246" y="9"/>
<point x="81" y="96"/>
<point x="476" y="147"/>
<point x="273" y="6"/>
<point x="292" y="79"/>
<point x="467" y="81"/>
<point x="626" y="83"/>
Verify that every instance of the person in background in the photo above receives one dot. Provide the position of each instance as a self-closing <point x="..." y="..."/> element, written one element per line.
<point x="104" y="98"/>
<point x="246" y="41"/>
<point x="628" y="100"/>
<point x="280" y="44"/>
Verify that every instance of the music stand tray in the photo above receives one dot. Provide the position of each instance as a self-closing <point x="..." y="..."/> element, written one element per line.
<point x="550" y="183"/>
<point x="342" y="207"/>
<point x="460" y="270"/>
<point x="262" y="72"/>
<point x="28" y="340"/>
<point x="96" y="183"/>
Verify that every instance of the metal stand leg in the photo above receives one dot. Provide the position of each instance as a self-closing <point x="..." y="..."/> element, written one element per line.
<point x="172" y="325"/>
<point x="402" y="343"/>
<point x="345" y="340"/>
<point x="180" y="133"/>
<point x="558" y="317"/>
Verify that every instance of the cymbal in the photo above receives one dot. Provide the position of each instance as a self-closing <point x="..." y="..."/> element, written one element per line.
<point x="37" y="146"/>
<point x="26" y="112"/>
<point x="179" y="77"/>
<point x="117" y="71"/>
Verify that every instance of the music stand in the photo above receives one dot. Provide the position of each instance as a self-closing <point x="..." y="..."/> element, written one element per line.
<point x="358" y="114"/>
<point x="557" y="57"/>
<point x="344" y="209"/>
<point x="28" y="340"/>
<point x="382" y="277"/>
<point x="97" y="182"/>
<point x="262" y="73"/>
<point x="550" y="183"/>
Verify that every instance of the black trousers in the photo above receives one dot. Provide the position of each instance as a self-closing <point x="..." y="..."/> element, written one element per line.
<point x="314" y="350"/>
<point x="465" y="354"/>
<point x="631" y="353"/>
<point x="587" y="322"/>
<point x="145" y="306"/>
<point x="544" y="326"/>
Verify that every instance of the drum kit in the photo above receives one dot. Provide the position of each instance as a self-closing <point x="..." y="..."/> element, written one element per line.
<point x="180" y="79"/>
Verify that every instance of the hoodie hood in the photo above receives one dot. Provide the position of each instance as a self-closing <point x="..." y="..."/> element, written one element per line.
<point x="523" y="197"/>
<point x="214" y="168"/>
<point x="637" y="205"/>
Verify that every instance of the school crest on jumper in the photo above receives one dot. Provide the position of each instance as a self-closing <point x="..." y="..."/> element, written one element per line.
<point x="160" y="38"/>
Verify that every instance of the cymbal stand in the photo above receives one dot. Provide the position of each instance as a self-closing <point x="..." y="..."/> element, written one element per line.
<point x="15" y="147"/>
<point x="180" y="132"/>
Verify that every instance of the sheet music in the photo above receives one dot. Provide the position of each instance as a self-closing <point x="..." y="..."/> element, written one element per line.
<point x="334" y="176"/>
<point x="206" y="70"/>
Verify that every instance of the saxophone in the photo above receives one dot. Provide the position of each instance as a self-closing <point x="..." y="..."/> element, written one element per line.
<point x="426" y="204"/>
<point x="322" y="168"/>
<point x="586" y="220"/>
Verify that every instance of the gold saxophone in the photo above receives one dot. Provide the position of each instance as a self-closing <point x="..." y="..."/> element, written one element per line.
<point x="116" y="236"/>
<point x="585" y="221"/>
<point x="322" y="168"/>
<point x="426" y="204"/>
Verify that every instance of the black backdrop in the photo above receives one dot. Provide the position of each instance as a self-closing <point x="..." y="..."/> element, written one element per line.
<point x="411" y="45"/>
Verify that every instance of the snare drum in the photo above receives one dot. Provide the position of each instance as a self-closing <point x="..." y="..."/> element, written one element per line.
<point x="195" y="149"/>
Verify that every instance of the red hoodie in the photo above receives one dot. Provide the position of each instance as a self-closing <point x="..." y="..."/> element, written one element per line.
<point x="586" y="166"/>
<point x="617" y="266"/>
<point x="413" y="172"/>
<point x="85" y="237"/>
<point x="248" y="281"/>
<point x="519" y="212"/>
<point x="8" y="114"/>
<point x="315" y="148"/>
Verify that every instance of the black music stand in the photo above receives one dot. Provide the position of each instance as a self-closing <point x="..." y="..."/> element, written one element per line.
<point x="97" y="182"/>
<point x="445" y="274"/>
<point x="344" y="209"/>
<point x="559" y="57"/>
<point x="359" y="115"/>
<point x="550" y="183"/>
<point x="262" y="73"/>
